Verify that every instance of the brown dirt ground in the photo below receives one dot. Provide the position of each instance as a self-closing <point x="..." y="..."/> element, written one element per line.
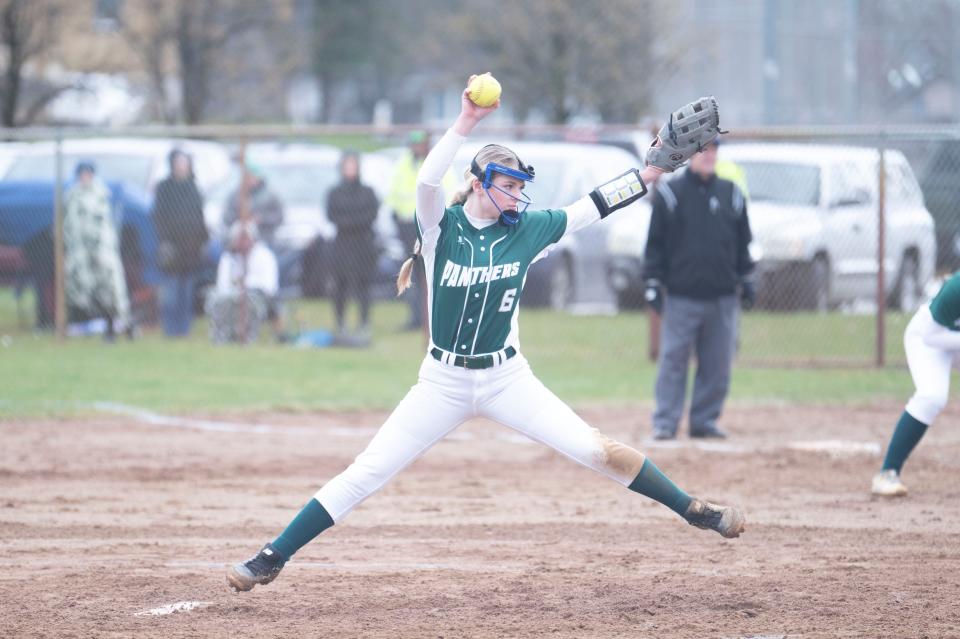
<point x="102" y="518"/>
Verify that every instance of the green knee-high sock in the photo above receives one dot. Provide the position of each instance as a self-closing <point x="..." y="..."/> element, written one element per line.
<point x="908" y="432"/>
<point x="309" y="522"/>
<point x="655" y="485"/>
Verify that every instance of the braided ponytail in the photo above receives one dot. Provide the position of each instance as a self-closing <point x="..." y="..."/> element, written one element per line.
<point x="406" y="271"/>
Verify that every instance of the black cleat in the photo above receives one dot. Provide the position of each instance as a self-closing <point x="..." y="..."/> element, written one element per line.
<point x="726" y="520"/>
<point x="710" y="432"/>
<point x="663" y="435"/>
<point x="261" y="569"/>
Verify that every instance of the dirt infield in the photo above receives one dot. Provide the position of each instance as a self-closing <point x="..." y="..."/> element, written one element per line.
<point x="104" y="519"/>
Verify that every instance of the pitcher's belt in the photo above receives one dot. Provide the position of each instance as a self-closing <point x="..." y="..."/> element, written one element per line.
<point x="473" y="361"/>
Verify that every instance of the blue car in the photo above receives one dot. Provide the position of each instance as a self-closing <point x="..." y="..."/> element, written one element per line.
<point x="26" y="220"/>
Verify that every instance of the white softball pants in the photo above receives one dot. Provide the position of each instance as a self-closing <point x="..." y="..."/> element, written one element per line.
<point x="445" y="397"/>
<point x="929" y="366"/>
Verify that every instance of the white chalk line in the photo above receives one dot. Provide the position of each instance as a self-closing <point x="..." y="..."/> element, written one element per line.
<point x="157" y="419"/>
<point x="169" y="609"/>
<point x="837" y="447"/>
<point x="151" y="418"/>
<point x="833" y="447"/>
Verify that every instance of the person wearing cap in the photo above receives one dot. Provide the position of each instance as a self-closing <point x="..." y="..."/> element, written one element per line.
<point x="264" y="206"/>
<point x="95" y="283"/>
<point x="695" y="264"/>
<point x="402" y="200"/>
<point x="247" y="281"/>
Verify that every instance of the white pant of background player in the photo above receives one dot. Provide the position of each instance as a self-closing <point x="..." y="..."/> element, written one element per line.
<point x="932" y="350"/>
<point x="445" y="397"/>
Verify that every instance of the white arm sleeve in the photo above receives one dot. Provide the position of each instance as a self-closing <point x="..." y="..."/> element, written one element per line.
<point x="938" y="336"/>
<point x="430" y="200"/>
<point x="580" y="214"/>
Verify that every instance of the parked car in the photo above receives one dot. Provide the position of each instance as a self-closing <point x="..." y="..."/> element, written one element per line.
<point x="573" y="272"/>
<point x="9" y="152"/>
<point x="26" y="240"/>
<point x="813" y="212"/>
<point x="141" y="162"/>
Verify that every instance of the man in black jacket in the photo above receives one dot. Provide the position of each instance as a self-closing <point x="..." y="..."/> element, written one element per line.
<point x="695" y="263"/>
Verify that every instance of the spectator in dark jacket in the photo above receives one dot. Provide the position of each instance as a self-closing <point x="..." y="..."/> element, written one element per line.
<point x="182" y="235"/>
<point x="352" y="208"/>
<point x="696" y="261"/>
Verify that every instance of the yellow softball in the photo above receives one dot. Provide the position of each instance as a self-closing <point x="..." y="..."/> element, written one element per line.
<point x="484" y="90"/>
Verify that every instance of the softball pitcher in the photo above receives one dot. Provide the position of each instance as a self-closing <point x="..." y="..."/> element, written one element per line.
<point x="476" y="254"/>
<point x="932" y="342"/>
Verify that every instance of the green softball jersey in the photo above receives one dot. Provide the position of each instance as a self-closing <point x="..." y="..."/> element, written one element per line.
<point x="945" y="307"/>
<point x="478" y="275"/>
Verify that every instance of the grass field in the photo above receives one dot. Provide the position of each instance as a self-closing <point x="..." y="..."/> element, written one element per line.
<point x="583" y="359"/>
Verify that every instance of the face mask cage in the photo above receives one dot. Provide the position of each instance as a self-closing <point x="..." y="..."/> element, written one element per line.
<point x="525" y="173"/>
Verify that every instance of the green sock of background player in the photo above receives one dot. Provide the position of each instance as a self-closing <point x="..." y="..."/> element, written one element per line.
<point x="314" y="518"/>
<point x="906" y="435"/>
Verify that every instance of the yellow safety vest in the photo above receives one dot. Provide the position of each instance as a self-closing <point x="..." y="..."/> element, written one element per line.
<point x="734" y="172"/>
<point x="402" y="198"/>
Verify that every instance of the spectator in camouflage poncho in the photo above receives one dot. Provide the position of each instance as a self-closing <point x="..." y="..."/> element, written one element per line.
<point x="94" y="283"/>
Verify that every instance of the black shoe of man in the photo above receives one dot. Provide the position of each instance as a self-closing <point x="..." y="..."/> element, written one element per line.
<point x="708" y="432"/>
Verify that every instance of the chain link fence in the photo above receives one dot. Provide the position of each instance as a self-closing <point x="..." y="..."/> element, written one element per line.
<point x="224" y="230"/>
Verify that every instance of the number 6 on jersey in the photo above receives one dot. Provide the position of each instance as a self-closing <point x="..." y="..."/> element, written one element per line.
<point x="508" y="298"/>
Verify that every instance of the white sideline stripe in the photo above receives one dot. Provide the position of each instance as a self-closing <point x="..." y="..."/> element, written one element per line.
<point x="514" y="437"/>
<point x="169" y="609"/>
<point x="350" y="431"/>
<point x="833" y="447"/>
<point x="838" y="448"/>
<point x="157" y="419"/>
<point x="363" y="566"/>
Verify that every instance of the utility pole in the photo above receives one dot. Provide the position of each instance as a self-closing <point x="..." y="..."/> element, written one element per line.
<point x="851" y="59"/>
<point x="771" y="62"/>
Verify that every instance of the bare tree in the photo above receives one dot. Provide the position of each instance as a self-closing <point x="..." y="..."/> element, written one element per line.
<point x="203" y="29"/>
<point x="370" y="46"/>
<point x="186" y="38"/>
<point x="564" y="56"/>
<point x="148" y="28"/>
<point x="27" y="29"/>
